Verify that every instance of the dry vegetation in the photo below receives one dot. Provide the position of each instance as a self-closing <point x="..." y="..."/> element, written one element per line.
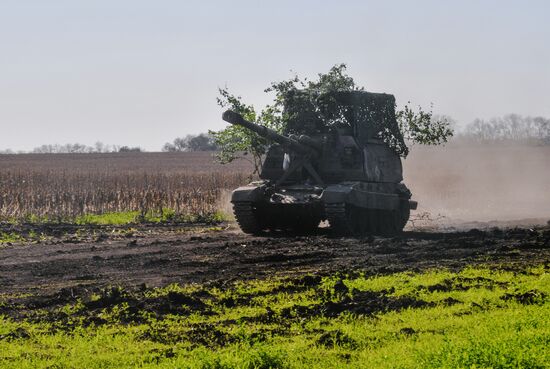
<point x="167" y="296"/>
<point x="65" y="186"/>
<point x="458" y="182"/>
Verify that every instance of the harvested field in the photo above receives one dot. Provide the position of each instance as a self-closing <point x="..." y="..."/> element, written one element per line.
<point x="147" y="162"/>
<point x="454" y="184"/>
<point x="65" y="186"/>
<point x="451" y="291"/>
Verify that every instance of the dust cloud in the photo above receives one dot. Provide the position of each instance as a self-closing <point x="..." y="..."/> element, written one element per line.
<point x="224" y="204"/>
<point x="495" y="184"/>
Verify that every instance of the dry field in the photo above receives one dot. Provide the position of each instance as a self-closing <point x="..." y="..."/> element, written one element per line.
<point x="64" y="186"/>
<point x="453" y="184"/>
<point x="174" y="295"/>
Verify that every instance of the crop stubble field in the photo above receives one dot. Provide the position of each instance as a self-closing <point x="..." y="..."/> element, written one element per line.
<point x="203" y="295"/>
<point x="463" y="183"/>
<point x="62" y="187"/>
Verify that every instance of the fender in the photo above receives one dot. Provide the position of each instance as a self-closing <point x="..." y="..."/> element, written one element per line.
<point x="355" y="196"/>
<point x="249" y="193"/>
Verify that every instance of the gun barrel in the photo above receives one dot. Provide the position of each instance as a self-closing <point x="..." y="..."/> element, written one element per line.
<point x="236" y="119"/>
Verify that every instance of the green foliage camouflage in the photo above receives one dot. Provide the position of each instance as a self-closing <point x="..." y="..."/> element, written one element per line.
<point x="332" y="100"/>
<point x="308" y="113"/>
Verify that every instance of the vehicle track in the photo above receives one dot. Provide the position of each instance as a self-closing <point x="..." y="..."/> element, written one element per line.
<point x="160" y="259"/>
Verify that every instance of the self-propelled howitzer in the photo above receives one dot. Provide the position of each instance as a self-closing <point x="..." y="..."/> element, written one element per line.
<point x="351" y="178"/>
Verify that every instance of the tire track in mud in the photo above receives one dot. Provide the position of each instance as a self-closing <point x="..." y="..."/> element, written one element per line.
<point x="161" y="259"/>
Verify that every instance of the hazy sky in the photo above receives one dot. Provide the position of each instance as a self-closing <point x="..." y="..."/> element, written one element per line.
<point x="133" y="72"/>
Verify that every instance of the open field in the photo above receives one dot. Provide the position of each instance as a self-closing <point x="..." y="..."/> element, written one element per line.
<point x="81" y="257"/>
<point x="178" y="297"/>
<point x="155" y="279"/>
<point x="63" y="187"/>
<point x="456" y="183"/>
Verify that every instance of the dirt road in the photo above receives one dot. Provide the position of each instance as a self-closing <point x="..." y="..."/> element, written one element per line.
<point x="158" y="257"/>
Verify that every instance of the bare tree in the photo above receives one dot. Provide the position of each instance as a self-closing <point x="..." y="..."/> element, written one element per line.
<point x="511" y="127"/>
<point x="76" y="148"/>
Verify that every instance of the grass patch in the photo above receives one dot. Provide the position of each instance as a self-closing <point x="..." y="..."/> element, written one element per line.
<point x="121" y="218"/>
<point x="108" y="218"/>
<point x="10" y="237"/>
<point x="36" y="229"/>
<point x="475" y="318"/>
<point x="136" y="217"/>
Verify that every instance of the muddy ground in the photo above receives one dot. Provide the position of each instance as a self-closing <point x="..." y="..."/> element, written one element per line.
<point x="83" y="259"/>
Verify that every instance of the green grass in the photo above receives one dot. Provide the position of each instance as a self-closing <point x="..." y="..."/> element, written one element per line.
<point x="10" y="237"/>
<point x="120" y="218"/>
<point x="129" y="218"/>
<point x="132" y="217"/>
<point x="123" y="218"/>
<point x="15" y="237"/>
<point x="475" y="318"/>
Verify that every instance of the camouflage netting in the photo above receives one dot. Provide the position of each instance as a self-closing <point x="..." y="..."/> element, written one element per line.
<point x="370" y="115"/>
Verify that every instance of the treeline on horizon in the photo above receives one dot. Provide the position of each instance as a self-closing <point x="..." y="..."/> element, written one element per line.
<point x="511" y="128"/>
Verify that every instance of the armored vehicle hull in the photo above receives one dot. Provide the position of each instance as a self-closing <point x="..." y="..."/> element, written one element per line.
<point x="351" y="208"/>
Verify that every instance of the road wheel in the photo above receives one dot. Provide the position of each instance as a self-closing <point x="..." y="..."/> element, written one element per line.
<point x="248" y="217"/>
<point x="346" y="220"/>
<point x="389" y="223"/>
